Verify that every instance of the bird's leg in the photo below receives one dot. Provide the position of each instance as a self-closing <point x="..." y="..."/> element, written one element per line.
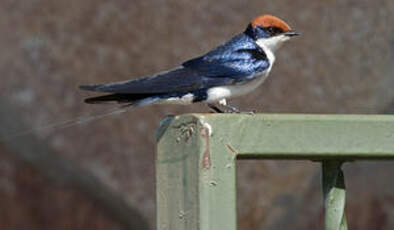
<point x="230" y="108"/>
<point x="223" y="103"/>
<point x="214" y="108"/>
<point x="233" y="109"/>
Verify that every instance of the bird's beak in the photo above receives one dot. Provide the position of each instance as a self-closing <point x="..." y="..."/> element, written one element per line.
<point x="291" y="33"/>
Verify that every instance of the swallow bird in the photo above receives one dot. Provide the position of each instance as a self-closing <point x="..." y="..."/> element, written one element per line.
<point x="232" y="69"/>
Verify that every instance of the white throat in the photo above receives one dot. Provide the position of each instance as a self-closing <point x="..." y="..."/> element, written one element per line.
<point x="272" y="43"/>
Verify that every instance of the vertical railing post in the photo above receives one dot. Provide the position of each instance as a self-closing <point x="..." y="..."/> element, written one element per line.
<point x="196" y="177"/>
<point x="334" y="195"/>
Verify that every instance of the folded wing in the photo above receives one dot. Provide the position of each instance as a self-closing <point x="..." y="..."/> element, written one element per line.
<point x="234" y="62"/>
<point x="176" y="80"/>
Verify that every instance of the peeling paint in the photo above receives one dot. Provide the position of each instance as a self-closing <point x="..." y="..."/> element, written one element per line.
<point x="206" y="125"/>
<point x="186" y="130"/>
<point x="231" y="149"/>
<point x="206" y="158"/>
<point x="213" y="183"/>
<point x="235" y="153"/>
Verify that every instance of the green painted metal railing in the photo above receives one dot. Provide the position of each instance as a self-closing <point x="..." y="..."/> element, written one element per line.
<point x="196" y="154"/>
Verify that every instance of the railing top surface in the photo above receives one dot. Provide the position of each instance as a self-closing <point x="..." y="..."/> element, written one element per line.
<point x="288" y="136"/>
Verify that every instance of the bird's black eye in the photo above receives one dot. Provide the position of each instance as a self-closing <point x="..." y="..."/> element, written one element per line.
<point x="262" y="32"/>
<point x="272" y="30"/>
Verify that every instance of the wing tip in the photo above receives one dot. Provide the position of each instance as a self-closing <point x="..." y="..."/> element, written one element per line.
<point x="115" y="98"/>
<point x="105" y="99"/>
<point x="89" y="87"/>
<point x="92" y="100"/>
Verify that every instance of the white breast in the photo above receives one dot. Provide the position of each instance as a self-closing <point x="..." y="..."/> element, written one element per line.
<point x="224" y="92"/>
<point x="230" y="91"/>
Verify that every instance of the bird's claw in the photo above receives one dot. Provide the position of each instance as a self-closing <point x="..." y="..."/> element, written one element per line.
<point x="231" y="109"/>
<point x="228" y="109"/>
<point x="215" y="109"/>
<point x="250" y="112"/>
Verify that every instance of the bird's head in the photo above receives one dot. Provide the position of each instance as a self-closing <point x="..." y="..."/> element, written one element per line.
<point x="269" y="32"/>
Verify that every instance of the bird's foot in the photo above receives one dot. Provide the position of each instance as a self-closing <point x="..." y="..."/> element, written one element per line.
<point x="215" y="109"/>
<point x="228" y="109"/>
<point x="231" y="109"/>
<point x="249" y="112"/>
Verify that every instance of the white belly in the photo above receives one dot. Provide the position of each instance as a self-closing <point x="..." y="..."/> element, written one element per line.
<point x="224" y="92"/>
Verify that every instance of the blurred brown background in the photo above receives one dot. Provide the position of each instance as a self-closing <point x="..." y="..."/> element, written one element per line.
<point x="342" y="63"/>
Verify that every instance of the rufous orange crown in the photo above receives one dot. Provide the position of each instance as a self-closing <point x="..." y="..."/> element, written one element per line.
<point x="267" y="20"/>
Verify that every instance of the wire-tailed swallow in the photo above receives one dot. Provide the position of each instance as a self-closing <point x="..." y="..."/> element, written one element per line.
<point x="232" y="69"/>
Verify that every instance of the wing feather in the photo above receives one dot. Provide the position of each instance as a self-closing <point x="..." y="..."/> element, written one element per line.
<point x="176" y="80"/>
<point x="231" y="63"/>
